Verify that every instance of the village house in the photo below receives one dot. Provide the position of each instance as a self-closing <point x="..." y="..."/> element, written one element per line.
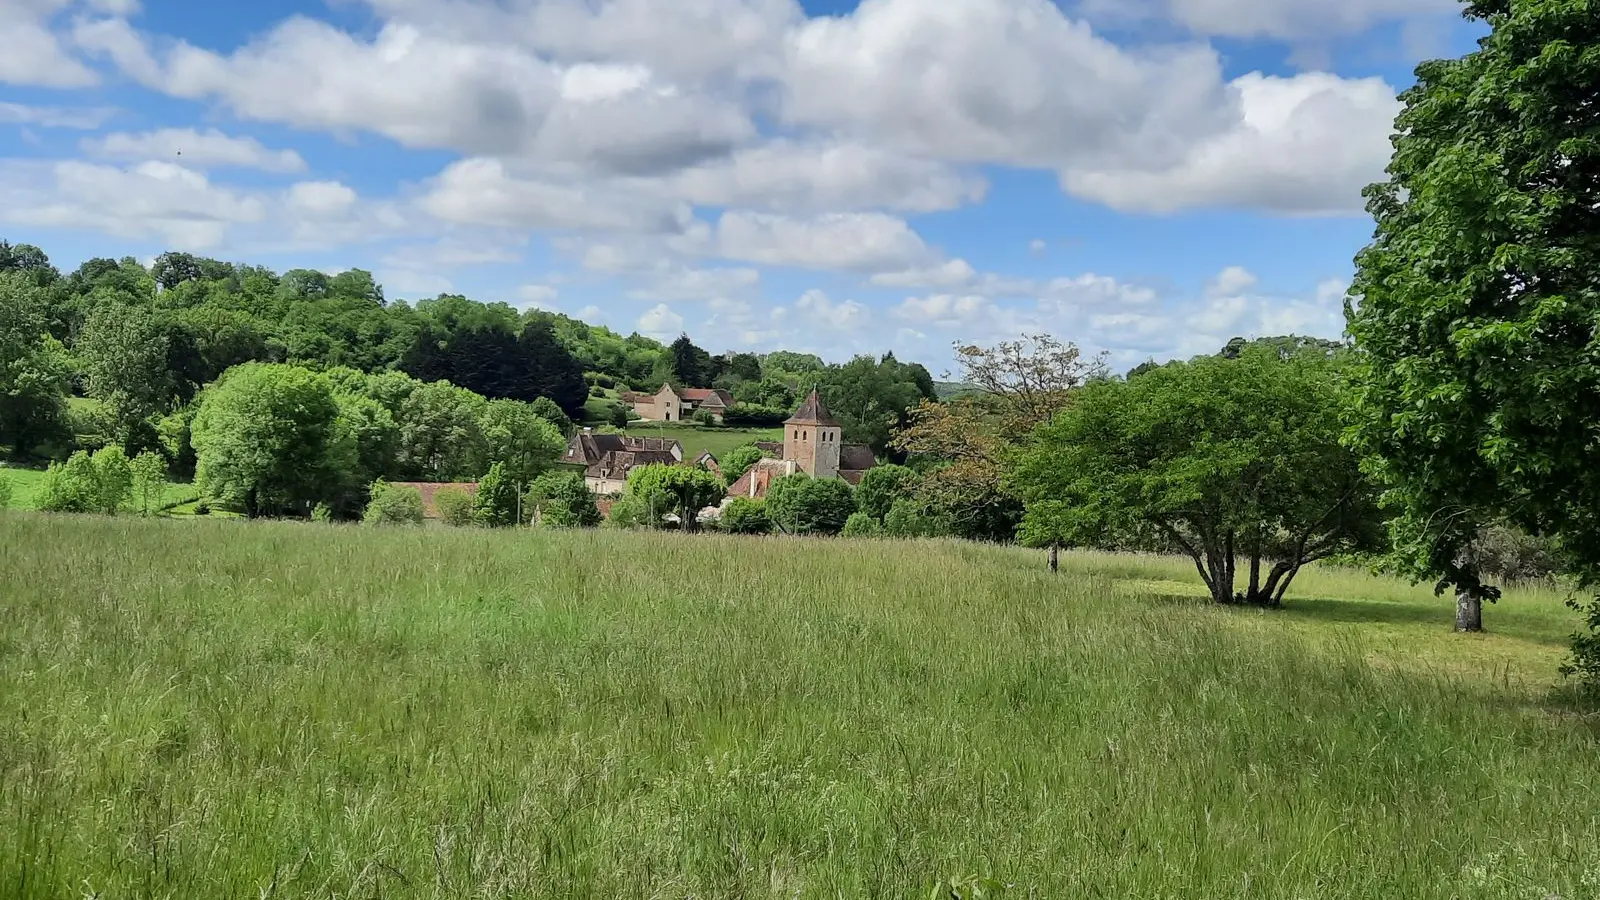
<point x="671" y="405"/>
<point x="813" y="443"/>
<point x="588" y="447"/>
<point x="609" y="476"/>
<point x="430" y="489"/>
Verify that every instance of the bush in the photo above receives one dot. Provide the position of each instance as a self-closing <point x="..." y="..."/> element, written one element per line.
<point x="617" y="416"/>
<point x="882" y="486"/>
<point x="67" y="487"/>
<point x="563" y="500"/>
<point x="704" y="417"/>
<point x="393" y="505"/>
<point x="551" y="412"/>
<point x="745" y="415"/>
<point x="113" y="475"/>
<point x="1509" y="555"/>
<point x="149" y="483"/>
<point x="455" y="507"/>
<point x="800" y="504"/>
<point x="744" y="515"/>
<point x="861" y="525"/>
<point x="322" y="512"/>
<point x="739" y="461"/>
<point x="597" y="391"/>
<point x="605" y="381"/>
<point x="908" y="519"/>
<point x="5" y="491"/>
<point x="497" y="503"/>
<point x="202" y="508"/>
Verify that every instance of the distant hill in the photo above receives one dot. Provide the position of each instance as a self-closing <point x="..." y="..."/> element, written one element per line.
<point x="947" y="389"/>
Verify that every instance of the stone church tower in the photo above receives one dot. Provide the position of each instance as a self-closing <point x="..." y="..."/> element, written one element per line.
<point x="811" y="439"/>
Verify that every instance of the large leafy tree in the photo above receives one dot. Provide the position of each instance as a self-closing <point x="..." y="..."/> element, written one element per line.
<point x="680" y="490"/>
<point x="800" y="504"/>
<point x="1222" y="459"/>
<point x="523" y="442"/>
<point x="34" y="367"/>
<point x="126" y="352"/>
<point x="1476" y="305"/>
<point x="873" y="397"/>
<point x="267" y="440"/>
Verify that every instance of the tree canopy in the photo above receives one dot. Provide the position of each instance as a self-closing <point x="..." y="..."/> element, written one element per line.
<point x="1218" y="458"/>
<point x="1475" y="306"/>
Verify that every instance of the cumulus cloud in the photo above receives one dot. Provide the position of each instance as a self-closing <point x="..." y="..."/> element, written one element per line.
<point x="1306" y="144"/>
<point x="195" y="149"/>
<point x="661" y="323"/>
<point x="1284" y="19"/>
<point x="31" y="53"/>
<point x="485" y="191"/>
<point x="850" y="242"/>
<point x="83" y="118"/>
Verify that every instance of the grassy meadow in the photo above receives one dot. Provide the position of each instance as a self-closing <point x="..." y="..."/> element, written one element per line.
<point x="199" y="709"/>
<point x="25" y="488"/>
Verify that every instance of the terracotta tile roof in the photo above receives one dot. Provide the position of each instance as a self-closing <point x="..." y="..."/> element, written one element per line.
<point x="813" y="412"/>
<point x="708" y="397"/>
<point x="852" y="477"/>
<point x="758" y="480"/>
<point x="708" y="460"/>
<point x="428" y="489"/>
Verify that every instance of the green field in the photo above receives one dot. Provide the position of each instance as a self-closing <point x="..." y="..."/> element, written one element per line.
<point x="25" y="485"/>
<point x="696" y="439"/>
<point x="197" y="709"/>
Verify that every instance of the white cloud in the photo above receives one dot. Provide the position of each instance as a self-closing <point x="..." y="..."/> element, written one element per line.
<point x="851" y="242"/>
<point x="485" y="192"/>
<point x="195" y="149"/>
<point x="83" y="118"/>
<point x="661" y="323"/>
<point x="815" y="306"/>
<point x="321" y="198"/>
<point x="946" y="310"/>
<point x="180" y="206"/>
<point x="1231" y="281"/>
<point x="1038" y="247"/>
<point x="30" y="51"/>
<point x="669" y="281"/>
<point x="1306" y="144"/>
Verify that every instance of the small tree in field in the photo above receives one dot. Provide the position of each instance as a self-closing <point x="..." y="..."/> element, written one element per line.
<point x="113" y="479"/>
<point x="1221" y="458"/>
<point x="882" y="486"/>
<point x="454" y="506"/>
<point x="100" y="483"/>
<point x="498" y="499"/>
<point x="862" y="525"/>
<point x="149" y="482"/>
<point x="800" y="504"/>
<point x="5" y="491"/>
<point x="393" y="505"/>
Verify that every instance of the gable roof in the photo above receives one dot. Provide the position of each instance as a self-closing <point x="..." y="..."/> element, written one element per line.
<point x="758" y="479"/>
<point x="813" y="412"/>
<point x="708" y="396"/>
<point x="616" y="465"/>
<point x="856" y="458"/>
<point x="587" y="447"/>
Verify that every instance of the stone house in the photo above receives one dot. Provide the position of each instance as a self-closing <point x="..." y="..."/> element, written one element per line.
<point x="672" y="405"/>
<point x="609" y="476"/>
<point x="586" y="447"/>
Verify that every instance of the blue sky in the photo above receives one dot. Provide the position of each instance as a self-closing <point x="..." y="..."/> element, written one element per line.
<point x="1143" y="177"/>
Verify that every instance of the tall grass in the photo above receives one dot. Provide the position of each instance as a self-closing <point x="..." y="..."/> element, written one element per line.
<point x="192" y="709"/>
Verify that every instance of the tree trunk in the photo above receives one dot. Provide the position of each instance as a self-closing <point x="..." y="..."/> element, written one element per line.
<point x="1055" y="558"/>
<point x="1469" y="611"/>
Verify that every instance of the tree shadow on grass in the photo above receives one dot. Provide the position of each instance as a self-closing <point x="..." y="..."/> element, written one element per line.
<point x="1441" y="615"/>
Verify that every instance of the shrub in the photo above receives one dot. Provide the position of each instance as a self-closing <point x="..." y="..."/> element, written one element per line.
<point x="1510" y="555"/>
<point x="551" y="412"/>
<point x="113" y="479"/>
<point x="497" y="503"/>
<point x="882" y="486"/>
<point x="744" y="515"/>
<point x="617" y="416"/>
<point x="322" y="512"/>
<point x="908" y="519"/>
<point x="393" y="505"/>
<point x="70" y="487"/>
<point x="739" y="461"/>
<point x="149" y="483"/>
<point x="605" y="381"/>
<point x="455" y="507"/>
<point x="800" y="504"/>
<point x="563" y="500"/>
<point x="862" y="525"/>
<point x="704" y="417"/>
<point x="597" y="391"/>
<point x="202" y="508"/>
<point x="5" y="491"/>
<point x="745" y="415"/>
